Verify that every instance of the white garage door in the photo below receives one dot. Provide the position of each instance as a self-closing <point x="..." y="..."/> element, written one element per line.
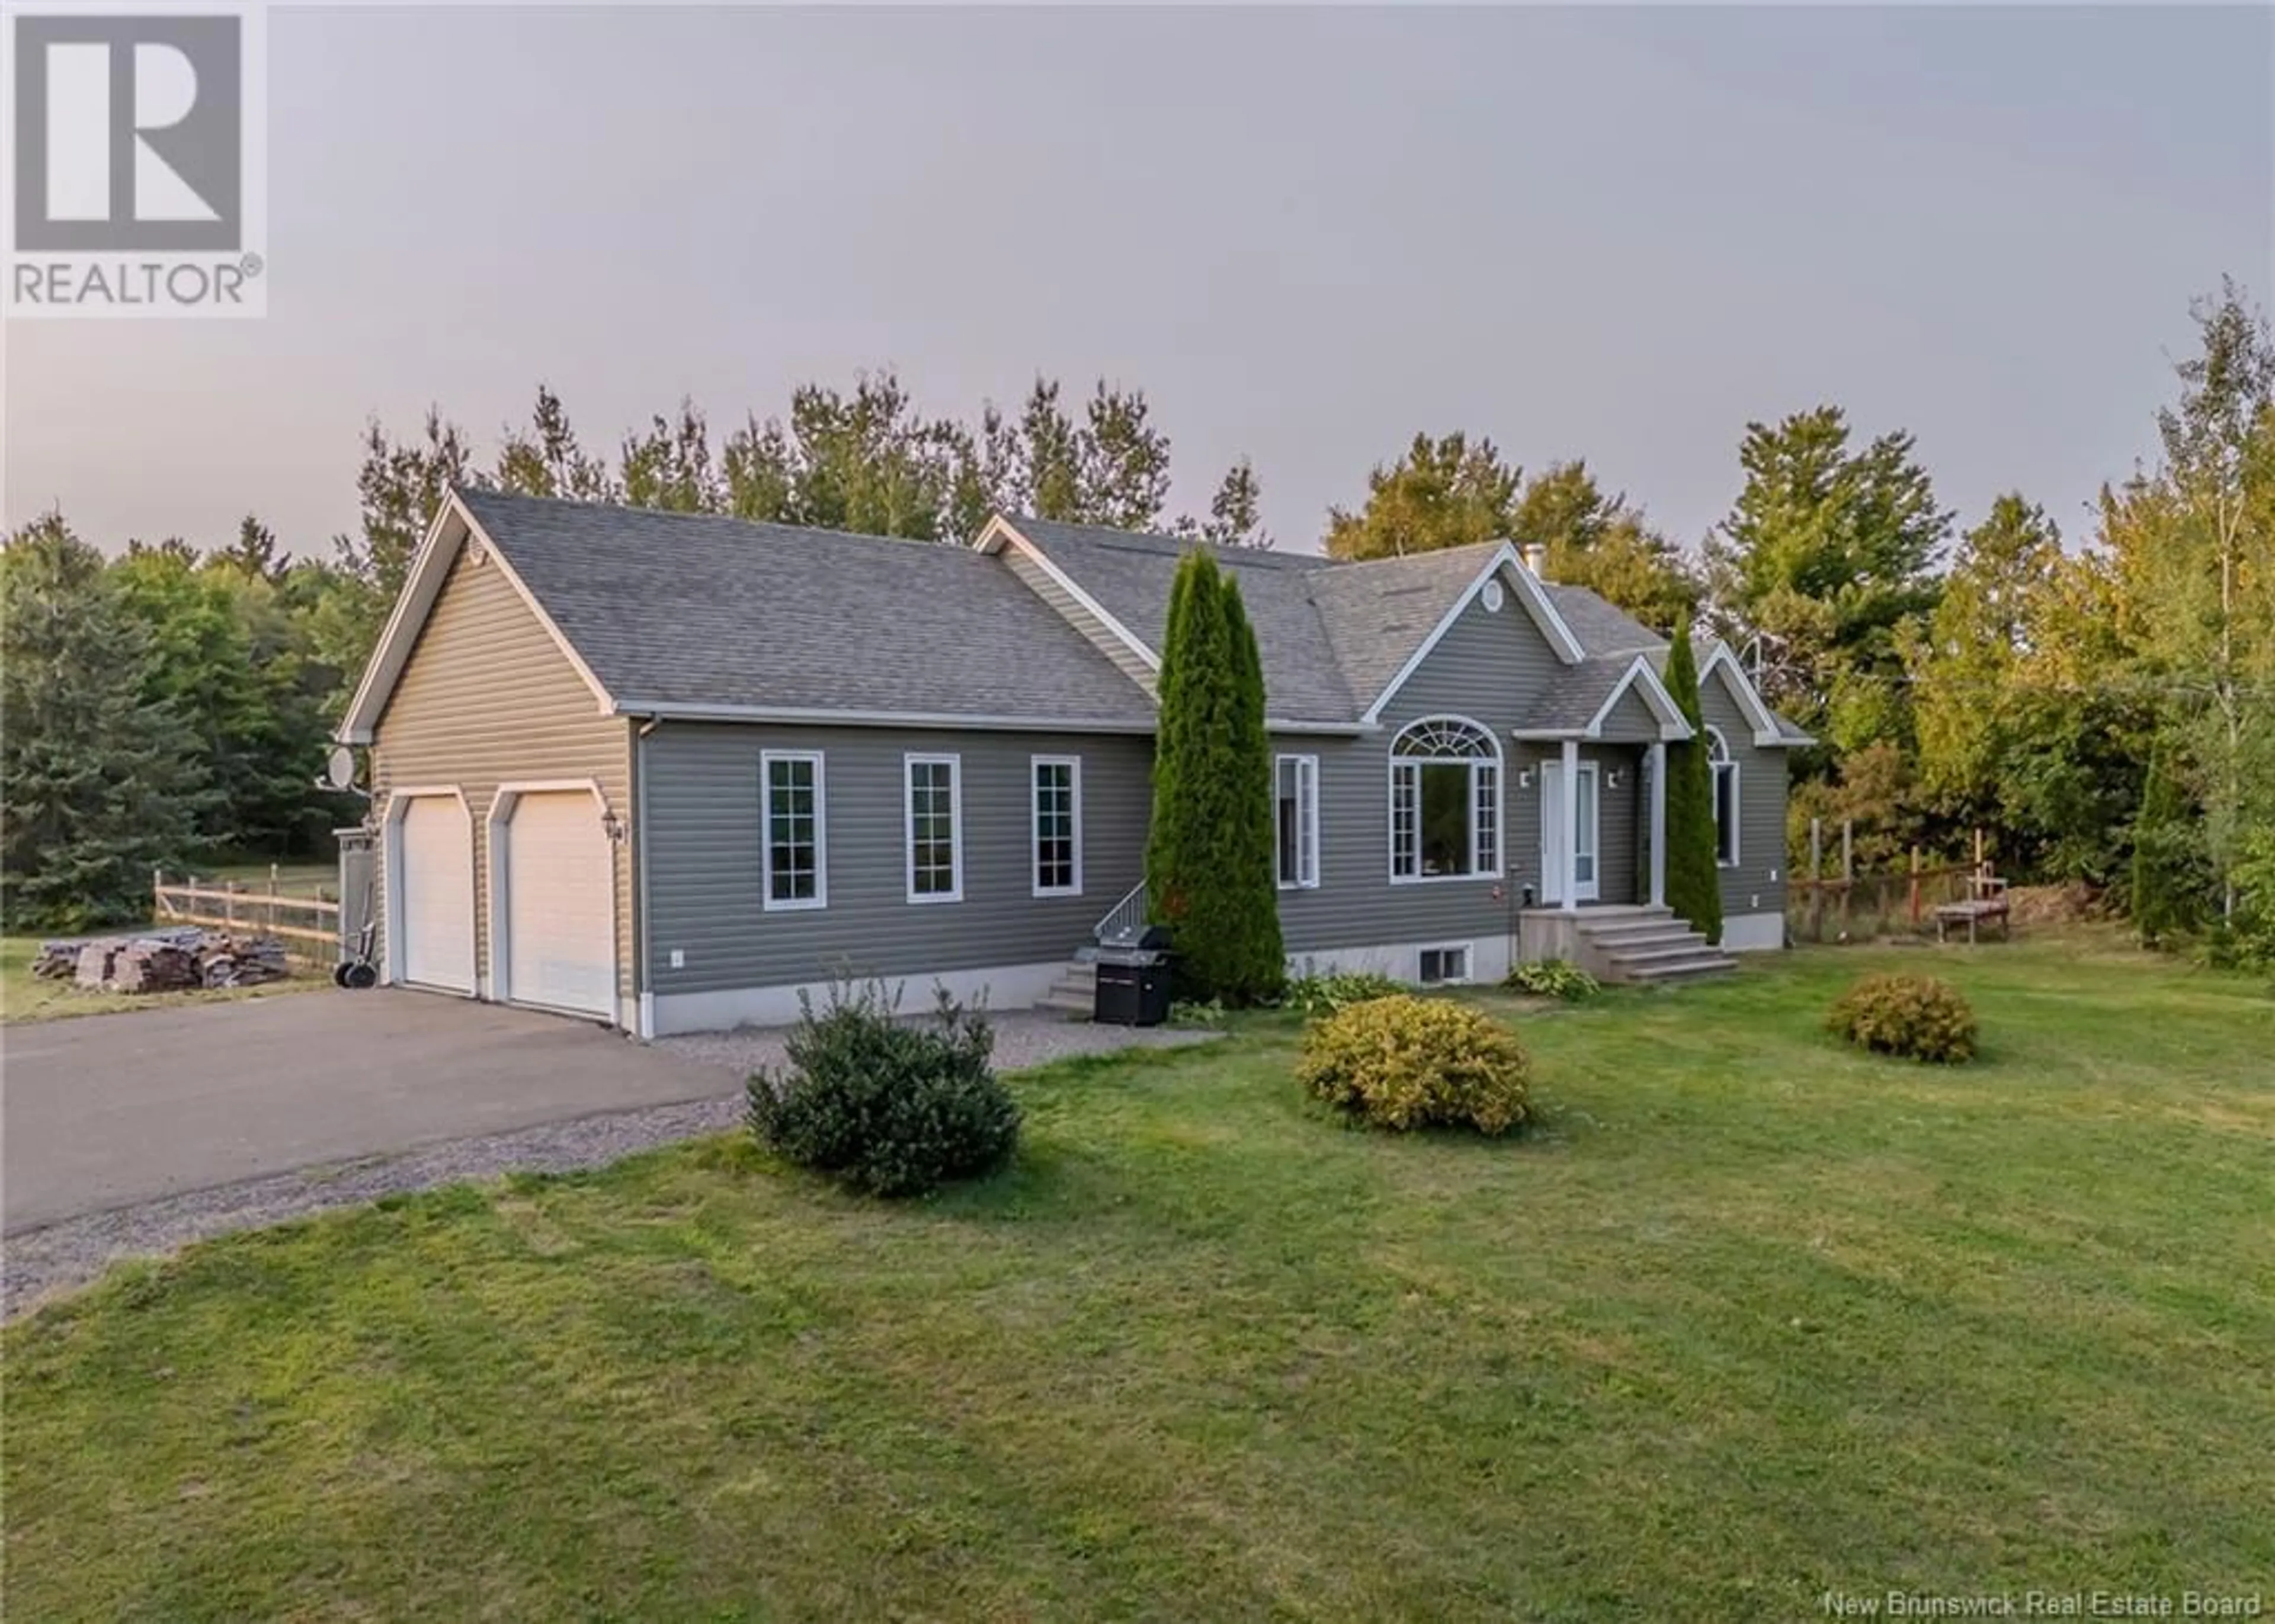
<point x="434" y="889"/>
<point x="560" y="943"/>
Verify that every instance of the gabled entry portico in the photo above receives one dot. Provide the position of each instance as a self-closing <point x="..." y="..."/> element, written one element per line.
<point x="1616" y="702"/>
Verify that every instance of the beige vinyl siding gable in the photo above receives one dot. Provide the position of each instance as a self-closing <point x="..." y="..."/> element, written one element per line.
<point x="488" y="698"/>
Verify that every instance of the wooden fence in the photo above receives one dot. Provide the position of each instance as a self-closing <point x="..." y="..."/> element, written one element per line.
<point x="308" y="923"/>
<point x="1844" y="906"/>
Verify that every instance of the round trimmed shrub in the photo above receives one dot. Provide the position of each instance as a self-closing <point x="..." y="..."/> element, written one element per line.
<point x="886" y="1107"/>
<point x="1406" y="1063"/>
<point x="1918" y="1017"/>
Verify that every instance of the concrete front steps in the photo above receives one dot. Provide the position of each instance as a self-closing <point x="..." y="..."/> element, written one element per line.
<point x="1647" y="945"/>
<point x="1075" y="992"/>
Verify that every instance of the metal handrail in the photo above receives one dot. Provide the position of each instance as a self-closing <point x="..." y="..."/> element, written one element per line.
<point x="1125" y="921"/>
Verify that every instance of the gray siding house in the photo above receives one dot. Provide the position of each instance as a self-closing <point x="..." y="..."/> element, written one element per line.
<point x="668" y="771"/>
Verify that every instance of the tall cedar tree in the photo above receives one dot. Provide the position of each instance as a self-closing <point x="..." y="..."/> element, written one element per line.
<point x="1177" y="752"/>
<point x="1251" y="891"/>
<point x="2171" y="867"/>
<point x="1208" y="860"/>
<point x="1694" y="890"/>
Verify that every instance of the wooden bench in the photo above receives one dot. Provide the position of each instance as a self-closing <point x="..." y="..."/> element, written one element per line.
<point x="1987" y="899"/>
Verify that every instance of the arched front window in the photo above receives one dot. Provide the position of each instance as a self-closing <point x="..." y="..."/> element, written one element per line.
<point x="1726" y="797"/>
<point x="1445" y="801"/>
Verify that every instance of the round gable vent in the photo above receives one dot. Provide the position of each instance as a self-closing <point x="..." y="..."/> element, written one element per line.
<point x="1492" y="597"/>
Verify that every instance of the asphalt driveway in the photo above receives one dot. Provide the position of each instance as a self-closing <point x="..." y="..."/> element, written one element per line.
<point x="110" y="1111"/>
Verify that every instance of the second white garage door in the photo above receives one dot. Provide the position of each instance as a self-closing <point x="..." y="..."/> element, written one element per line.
<point x="560" y="929"/>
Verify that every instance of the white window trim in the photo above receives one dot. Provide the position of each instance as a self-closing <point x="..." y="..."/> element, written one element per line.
<point x="820" y="897"/>
<point x="1035" y="825"/>
<point x="1466" y="950"/>
<point x="1716" y="767"/>
<point x="1500" y="805"/>
<point x="1307" y="815"/>
<point x="954" y="764"/>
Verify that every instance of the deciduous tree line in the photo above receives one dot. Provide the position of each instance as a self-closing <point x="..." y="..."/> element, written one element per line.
<point x="1988" y="675"/>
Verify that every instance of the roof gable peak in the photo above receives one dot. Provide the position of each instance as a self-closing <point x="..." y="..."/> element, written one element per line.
<point x="1502" y="563"/>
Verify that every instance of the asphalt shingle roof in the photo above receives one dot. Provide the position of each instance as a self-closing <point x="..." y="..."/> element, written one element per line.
<point x="1570" y="702"/>
<point x="1332" y="635"/>
<point x="695" y="610"/>
<point x="1602" y="627"/>
<point x="1130" y="575"/>
<point x="1375" y="614"/>
<point x="691" y="609"/>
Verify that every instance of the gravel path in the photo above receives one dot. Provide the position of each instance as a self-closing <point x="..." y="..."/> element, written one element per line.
<point x="40" y="1263"/>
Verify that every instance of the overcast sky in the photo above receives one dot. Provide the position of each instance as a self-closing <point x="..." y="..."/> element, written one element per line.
<point x="1616" y="233"/>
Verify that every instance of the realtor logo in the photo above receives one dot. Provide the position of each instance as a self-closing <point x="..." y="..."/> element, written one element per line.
<point x="134" y="171"/>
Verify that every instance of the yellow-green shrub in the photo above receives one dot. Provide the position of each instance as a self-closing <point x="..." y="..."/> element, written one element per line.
<point x="1408" y="1062"/>
<point x="1916" y="1017"/>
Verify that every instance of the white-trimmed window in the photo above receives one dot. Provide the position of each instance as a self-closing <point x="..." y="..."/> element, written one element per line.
<point x="1445" y="802"/>
<point x="1439" y="965"/>
<point x="1726" y="798"/>
<point x="936" y="827"/>
<point x="1056" y="783"/>
<point x="795" y="853"/>
<point x="1296" y="821"/>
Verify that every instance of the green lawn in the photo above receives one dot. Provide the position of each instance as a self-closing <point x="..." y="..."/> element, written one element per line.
<point x="1751" y="1319"/>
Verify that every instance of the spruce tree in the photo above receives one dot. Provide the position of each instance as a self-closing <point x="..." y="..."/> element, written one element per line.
<point x="96" y="782"/>
<point x="1209" y="853"/>
<point x="1694" y="890"/>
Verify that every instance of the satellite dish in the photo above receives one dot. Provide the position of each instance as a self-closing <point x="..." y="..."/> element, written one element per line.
<point x="340" y="770"/>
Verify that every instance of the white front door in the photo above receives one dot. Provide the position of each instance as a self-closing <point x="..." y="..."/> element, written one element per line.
<point x="1551" y="834"/>
<point x="559" y="916"/>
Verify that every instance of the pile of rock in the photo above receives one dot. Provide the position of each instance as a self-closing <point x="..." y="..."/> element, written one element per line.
<point x="242" y="961"/>
<point x="164" y="961"/>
